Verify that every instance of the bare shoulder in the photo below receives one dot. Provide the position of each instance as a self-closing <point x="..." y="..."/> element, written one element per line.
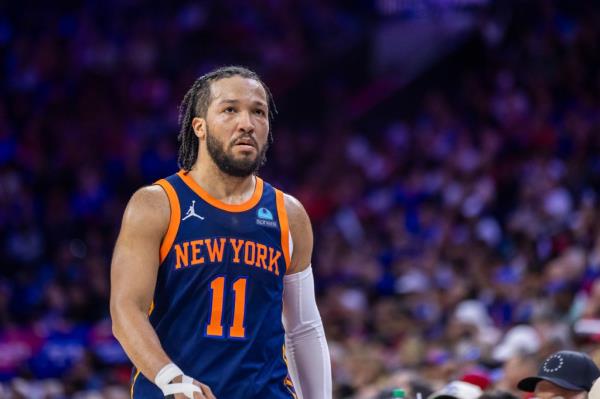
<point x="135" y="259"/>
<point x="148" y="207"/>
<point x="302" y="234"/>
<point x="295" y="211"/>
<point x="152" y="195"/>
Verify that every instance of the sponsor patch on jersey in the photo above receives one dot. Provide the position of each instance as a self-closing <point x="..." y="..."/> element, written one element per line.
<point x="264" y="217"/>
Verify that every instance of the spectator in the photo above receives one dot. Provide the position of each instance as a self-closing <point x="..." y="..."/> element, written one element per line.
<point x="564" y="374"/>
<point x="457" y="390"/>
<point x="498" y="394"/>
<point x="453" y="212"/>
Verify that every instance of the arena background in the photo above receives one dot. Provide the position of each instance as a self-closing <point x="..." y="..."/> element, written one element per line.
<point x="447" y="151"/>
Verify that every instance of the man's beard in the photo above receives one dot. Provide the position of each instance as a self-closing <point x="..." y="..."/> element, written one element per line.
<point x="226" y="162"/>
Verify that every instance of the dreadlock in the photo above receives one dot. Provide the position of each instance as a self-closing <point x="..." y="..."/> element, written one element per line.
<point x="195" y="104"/>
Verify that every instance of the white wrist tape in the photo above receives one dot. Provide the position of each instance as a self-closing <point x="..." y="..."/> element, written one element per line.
<point x="167" y="374"/>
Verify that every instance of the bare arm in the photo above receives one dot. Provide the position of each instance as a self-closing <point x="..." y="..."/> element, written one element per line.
<point x="133" y="278"/>
<point x="302" y="235"/>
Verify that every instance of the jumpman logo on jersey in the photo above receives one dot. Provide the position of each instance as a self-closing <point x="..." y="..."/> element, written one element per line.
<point x="192" y="212"/>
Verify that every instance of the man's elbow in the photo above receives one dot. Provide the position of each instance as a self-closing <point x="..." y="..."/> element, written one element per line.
<point x="124" y="311"/>
<point x="114" y="316"/>
<point x="118" y="310"/>
<point x="307" y="330"/>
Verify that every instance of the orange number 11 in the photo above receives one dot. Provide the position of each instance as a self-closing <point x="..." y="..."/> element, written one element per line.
<point x="215" y="327"/>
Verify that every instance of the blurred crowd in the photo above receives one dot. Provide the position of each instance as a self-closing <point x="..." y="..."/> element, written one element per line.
<point x="460" y="240"/>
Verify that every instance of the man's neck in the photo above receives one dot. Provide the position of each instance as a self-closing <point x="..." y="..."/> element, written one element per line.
<point x="226" y="188"/>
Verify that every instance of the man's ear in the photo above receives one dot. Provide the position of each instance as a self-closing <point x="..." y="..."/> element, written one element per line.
<point x="199" y="126"/>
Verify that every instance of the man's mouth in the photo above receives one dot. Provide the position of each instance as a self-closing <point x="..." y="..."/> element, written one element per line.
<point x="246" y="144"/>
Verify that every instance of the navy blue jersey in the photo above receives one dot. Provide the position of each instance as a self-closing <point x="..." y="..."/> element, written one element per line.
<point x="218" y="298"/>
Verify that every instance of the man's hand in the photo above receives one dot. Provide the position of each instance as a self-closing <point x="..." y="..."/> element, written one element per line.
<point x="206" y="392"/>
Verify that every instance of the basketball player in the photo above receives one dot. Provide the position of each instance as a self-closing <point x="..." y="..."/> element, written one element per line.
<point x="210" y="258"/>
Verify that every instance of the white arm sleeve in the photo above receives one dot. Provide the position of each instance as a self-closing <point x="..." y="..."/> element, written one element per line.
<point x="307" y="351"/>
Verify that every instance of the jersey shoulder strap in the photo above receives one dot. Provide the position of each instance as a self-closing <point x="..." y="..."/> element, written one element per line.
<point x="167" y="185"/>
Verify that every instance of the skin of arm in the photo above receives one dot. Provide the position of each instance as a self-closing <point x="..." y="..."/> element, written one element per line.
<point x="302" y="235"/>
<point x="134" y="271"/>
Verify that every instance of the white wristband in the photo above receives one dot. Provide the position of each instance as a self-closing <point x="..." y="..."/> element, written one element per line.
<point x="167" y="374"/>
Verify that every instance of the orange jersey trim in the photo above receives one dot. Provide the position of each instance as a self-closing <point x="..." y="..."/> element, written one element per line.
<point x="169" y="238"/>
<point x="249" y="204"/>
<point x="287" y="381"/>
<point x="284" y="227"/>
<point x="133" y="382"/>
<point x="151" y="308"/>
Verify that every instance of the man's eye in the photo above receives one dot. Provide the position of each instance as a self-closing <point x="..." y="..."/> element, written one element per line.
<point x="260" y="112"/>
<point x="229" y="109"/>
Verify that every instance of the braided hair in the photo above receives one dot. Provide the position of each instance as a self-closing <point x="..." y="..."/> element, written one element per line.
<point x="195" y="104"/>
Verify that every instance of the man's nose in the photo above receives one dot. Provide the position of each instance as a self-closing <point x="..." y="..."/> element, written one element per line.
<point x="245" y="122"/>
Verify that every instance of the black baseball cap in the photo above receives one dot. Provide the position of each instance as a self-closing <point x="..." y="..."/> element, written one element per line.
<point x="569" y="370"/>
